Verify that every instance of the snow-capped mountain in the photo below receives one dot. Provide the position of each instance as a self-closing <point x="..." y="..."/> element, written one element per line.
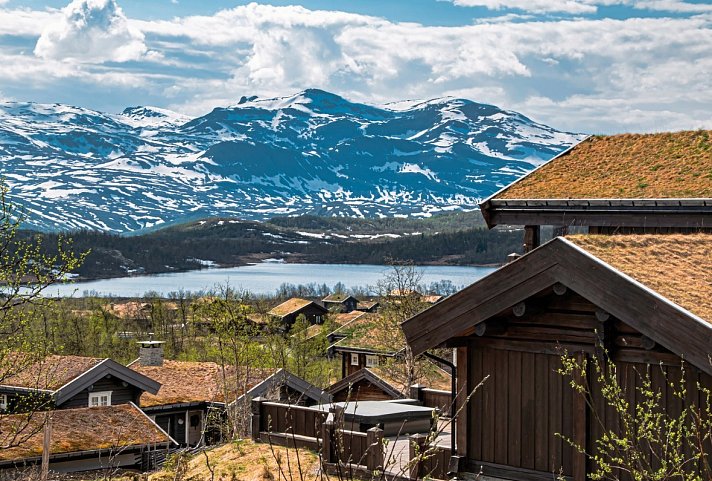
<point x="314" y="152"/>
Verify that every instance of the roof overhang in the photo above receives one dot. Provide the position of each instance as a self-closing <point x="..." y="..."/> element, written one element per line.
<point x="691" y="213"/>
<point x="561" y="261"/>
<point x="107" y="367"/>
<point x="364" y="374"/>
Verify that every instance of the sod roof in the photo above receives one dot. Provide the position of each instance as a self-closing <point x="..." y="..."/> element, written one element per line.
<point x="676" y="266"/>
<point x="84" y="429"/>
<point x="51" y="373"/>
<point x="629" y="166"/>
<point x="338" y="298"/>
<point x="187" y="382"/>
<point x="291" y="306"/>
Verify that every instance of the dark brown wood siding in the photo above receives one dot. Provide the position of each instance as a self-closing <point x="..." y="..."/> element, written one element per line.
<point x="120" y="394"/>
<point x="362" y="391"/>
<point x="519" y="416"/>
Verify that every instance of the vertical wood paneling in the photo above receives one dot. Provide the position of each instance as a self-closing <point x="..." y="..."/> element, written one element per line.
<point x="555" y="413"/>
<point x="488" y="406"/>
<point x="528" y="410"/>
<point x="541" y="403"/>
<point x="501" y="406"/>
<point x="514" y="452"/>
<point x="475" y="408"/>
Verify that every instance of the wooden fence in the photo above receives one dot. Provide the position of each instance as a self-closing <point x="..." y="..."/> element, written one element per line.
<point x="433" y="398"/>
<point x="311" y="428"/>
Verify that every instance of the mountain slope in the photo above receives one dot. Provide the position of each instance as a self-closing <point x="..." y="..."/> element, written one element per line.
<point x="311" y="153"/>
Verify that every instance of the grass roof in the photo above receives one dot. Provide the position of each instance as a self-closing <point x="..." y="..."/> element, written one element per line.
<point x="676" y="266"/>
<point x="338" y="320"/>
<point x="370" y="332"/>
<point x="82" y="429"/>
<point x="427" y="373"/>
<point x="628" y="166"/>
<point x="339" y="297"/>
<point x="184" y="382"/>
<point x="288" y="307"/>
<point x="52" y="372"/>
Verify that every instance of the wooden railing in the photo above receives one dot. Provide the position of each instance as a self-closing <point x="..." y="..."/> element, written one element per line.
<point x="430" y="461"/>
<point x="433" y="398"/>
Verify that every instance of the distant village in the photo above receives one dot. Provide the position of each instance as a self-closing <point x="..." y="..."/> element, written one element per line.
<point x="585" y="357"/>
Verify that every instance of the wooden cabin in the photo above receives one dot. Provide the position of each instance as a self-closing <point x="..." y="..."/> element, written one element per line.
<point x="645" y="299"/>
<point x="287" y="312"/>
<point x="364" y="385"/>
<point x="82" y="439"/>
<point x="63" y="382"/>
<point x="340" y="302"/>
<point x="619" y="184"/>
<point x="189" y="390"/>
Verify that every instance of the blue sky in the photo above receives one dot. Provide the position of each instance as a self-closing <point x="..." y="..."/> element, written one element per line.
<point x="598" y="66"/>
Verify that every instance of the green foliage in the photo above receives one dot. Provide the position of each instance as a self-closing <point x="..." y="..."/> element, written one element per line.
<point x="649" y="442"/>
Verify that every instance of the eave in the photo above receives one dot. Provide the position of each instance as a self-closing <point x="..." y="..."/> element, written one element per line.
<point x="690" y="213"/>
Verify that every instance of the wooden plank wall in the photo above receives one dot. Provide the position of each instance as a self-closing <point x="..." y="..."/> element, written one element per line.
<point x="514" y="419"/>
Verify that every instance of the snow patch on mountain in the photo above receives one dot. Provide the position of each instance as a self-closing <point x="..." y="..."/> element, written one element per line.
<point x="312" y="152"/>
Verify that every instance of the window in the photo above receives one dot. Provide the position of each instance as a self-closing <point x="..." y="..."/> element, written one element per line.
<point x="3" y="402"/>
<point x="97" y="399"/>
<point x="354" y="359"/>
<point x="371" y="361"/>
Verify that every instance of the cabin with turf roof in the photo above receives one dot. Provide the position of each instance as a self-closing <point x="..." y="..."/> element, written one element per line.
<point x="83" y="439"/>
<point x="63" y="382"/>
<point x="340" y="302"/>
<point x="190" y="391"/>
<point x="287" y="312"/>
<point x="644" y="299"/>
<point x="617" y="184"/>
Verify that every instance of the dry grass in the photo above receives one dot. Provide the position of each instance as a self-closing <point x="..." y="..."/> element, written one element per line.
<point x="52" y="372"/>
<point x="428" y="375"/>
<point x="288" y="307"/>
<point x="629" y="166"/>
<point x="183" y="381"/>
<point x="677" y="266"/>
<point x="82" y="430"/>
<point x="247" y="461"/>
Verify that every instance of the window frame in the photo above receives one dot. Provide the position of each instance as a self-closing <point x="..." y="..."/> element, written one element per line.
<point x="3" y="402"/>
<point x="98" y="395"/>
<point x="354" y="356"/>
<point x="372" y="361"/>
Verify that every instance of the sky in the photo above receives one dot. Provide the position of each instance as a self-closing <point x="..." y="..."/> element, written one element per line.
<point x="594" y="66"/>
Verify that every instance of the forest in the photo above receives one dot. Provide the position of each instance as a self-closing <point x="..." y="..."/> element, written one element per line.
<point x="448" y="239"/>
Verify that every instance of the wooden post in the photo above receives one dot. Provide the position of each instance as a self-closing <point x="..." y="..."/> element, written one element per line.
<point x="374" y="455"/>
<point x="256" y="418"/>
<point x="327" y="439"/>
<point x="417" y="448"/>
<point x="416" y="392"/>
<point x="46" y="446"/>
<point x="460" y="410"/>
<point x="532" y="237"/>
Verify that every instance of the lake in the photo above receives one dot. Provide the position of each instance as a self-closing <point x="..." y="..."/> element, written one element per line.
<point x="262" y="278"/>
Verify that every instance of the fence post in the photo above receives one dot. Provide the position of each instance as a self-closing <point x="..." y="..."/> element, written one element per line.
<point x="327" y="439"/>
<point x="374" y="455"/>
<point x="416" y="392"/>
<point x="417" y="448"/>
<point x="256" y="418"/>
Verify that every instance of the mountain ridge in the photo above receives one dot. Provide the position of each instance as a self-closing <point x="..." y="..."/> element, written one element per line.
<point x="309" y="153"/>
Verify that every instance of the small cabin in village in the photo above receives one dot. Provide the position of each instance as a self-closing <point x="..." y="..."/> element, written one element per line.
<point x="632" y="287"/>
<point x="287" y="312"/>
<point x="63" y="382"/>
<point x="84" y="439"/>
<point x="340" y="302"/>
<point x="91" y="406"/>
<point x="368" y="306"/>
<point x="190" y="391"/>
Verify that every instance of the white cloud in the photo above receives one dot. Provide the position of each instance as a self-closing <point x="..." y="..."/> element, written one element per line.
<point x="597" y="75"/>
<point x="673" y="6"/>
<point x="535" y="6"/>
<point x="91" y="31"/>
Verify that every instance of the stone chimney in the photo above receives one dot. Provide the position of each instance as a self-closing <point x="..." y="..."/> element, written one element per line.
<point x="150" y="353"/>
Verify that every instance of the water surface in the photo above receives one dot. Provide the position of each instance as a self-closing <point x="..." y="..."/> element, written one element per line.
<point x="262" y="278"/>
